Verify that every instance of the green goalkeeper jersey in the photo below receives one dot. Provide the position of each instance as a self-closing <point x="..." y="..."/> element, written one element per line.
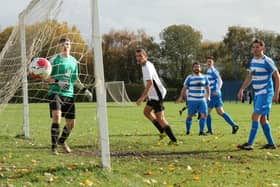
<point x="66" y="70"/>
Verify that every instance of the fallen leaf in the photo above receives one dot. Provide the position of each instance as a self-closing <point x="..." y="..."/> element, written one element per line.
<point x="147" y="181"/>
<point x="148" y="173"/>
<point x="34" y="161"/>
<point x="71" y="166"/>
<point x="88" y="182"/>
<point x="196" y="178"/>
<point x="154" y="181"/>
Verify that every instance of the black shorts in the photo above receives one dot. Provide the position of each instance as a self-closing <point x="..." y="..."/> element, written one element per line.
<point x="64" y="104"/>
<point x="156" y="105"/>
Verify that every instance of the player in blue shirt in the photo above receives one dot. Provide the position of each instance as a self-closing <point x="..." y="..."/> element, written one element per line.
<point x="196" y="91"/>
<point x="262" y="69"/>
<point x="216" y="83"/>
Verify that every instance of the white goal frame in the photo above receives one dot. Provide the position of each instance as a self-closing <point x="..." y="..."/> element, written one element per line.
<point x="124" y="97"/>
<point x="96" y="45"/>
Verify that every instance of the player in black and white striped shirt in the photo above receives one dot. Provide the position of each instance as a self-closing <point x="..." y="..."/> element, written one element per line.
<point x="154" y="93"/>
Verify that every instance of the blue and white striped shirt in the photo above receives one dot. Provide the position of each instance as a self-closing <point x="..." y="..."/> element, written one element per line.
<point x="215" y="80"/>
<point x="196" y="85"/>
<point x="261" y="71"/>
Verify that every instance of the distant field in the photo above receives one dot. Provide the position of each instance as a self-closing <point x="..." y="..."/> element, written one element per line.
<point x="137" y="158"/>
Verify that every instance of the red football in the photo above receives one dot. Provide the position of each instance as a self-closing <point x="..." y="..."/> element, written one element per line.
<point x="40" y="68"/>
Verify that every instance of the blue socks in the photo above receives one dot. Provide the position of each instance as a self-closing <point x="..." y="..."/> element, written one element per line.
<point x="268" y="134"/>
<point x="209" y="123"/>
<point x="201" y="124"/>
<point x="253" y="132"/>
<point x="188" y="124"/>
<point x="228" y="119"/>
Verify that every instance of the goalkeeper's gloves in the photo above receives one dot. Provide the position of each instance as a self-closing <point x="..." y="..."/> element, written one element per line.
<point x="87" y="93"/>
<point x="62" y="84"/>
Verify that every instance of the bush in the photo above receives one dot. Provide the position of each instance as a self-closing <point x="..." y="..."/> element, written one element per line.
<point x="134" y="91"/>
<point x="172" y="94"/>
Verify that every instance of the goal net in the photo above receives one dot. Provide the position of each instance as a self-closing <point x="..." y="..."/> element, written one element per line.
<point x="41" y="25"/>
<point x="116" y="92"/>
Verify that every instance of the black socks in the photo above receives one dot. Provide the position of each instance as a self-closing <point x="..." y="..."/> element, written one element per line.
<point x="65" y="133"/>
<point x="157" y="125"/>
<point x="170" y="134"/>
<point x="54" y="134"/>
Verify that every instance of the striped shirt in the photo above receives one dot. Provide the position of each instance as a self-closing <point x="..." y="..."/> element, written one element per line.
<point x="214" y="78"/>
<point x="261" y="71"/>
<point x="196" y="85"/>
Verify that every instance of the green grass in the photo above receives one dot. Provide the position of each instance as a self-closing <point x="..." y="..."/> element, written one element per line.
<point x="137" y="159"/>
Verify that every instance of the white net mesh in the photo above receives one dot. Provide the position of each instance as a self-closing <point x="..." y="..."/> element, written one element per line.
<point x="45" y="23"/>
<point x="117" y="92"/>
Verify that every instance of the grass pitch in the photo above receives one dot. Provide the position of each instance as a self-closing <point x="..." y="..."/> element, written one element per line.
<point x="137" y="158"/>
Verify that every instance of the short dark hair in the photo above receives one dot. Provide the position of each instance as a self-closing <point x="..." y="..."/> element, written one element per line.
<point x="195" y="63"/>
<point x="210" y="57"/>
<point x="141" y="50"/>
<point x="64" y="39"/>
<point x="258" y="41"/>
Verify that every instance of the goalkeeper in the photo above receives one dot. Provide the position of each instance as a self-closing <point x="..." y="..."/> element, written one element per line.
<point x="61" y="94"/>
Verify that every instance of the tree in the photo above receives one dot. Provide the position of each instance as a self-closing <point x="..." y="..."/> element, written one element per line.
<point x="180" y="44"/>
<point x="119" y="54"/>
<point x="238" y="41"/>
<point x="237" y="52"/>
<point x="4" y="36"/>
<point x="209" y="48"/>
<point x="271" y="40"/>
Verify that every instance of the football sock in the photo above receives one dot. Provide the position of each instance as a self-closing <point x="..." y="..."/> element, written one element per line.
<point x="253" y="132"/>
<point x="65" y="133"/>
<point x="201" y="124"/>
<point x="54" y="134"/>
<point x="188" y="124"/>
<point x="157" y="125"/>
<point x="198" y="116"/>
<point x="267" y="117"/>
<point x="209" y="123"/>
<point x="268" y="134"/>
<point x="169" y="133"/>
<point x="228" y="119"/>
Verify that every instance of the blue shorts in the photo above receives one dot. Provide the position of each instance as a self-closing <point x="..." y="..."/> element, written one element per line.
<point x="262" y="104"/>
<point x="215" y="101"/>
<point x="197" y="106"/>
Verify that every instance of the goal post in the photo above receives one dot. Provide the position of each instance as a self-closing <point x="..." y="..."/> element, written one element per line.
<point x="37" y="33"/>
<point x="100" y="86"/>
<point x="117" y="92"/>
<point x="24" y="75"/>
